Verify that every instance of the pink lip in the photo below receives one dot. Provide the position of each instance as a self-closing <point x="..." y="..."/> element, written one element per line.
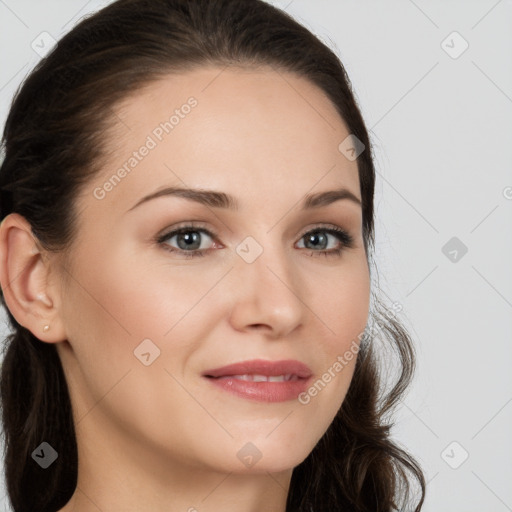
<point x="281" y="391"/>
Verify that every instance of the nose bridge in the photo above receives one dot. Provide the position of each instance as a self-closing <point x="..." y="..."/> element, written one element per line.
<point x="269" y="285"/>
<point x="266" y="260"/>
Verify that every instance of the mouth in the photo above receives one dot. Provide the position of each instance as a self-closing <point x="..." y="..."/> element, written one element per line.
<point x="262" y="380"/>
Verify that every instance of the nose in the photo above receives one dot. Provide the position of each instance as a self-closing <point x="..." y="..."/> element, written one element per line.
<point x="268" y="295"/>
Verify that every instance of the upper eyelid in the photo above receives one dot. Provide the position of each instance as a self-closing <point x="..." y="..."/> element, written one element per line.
<point x="191" y="225"/>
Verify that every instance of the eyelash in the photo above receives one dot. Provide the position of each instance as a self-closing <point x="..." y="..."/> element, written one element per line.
<point x="346" y="240"/>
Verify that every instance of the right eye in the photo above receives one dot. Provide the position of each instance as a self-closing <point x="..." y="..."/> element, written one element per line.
<point x="188" y="239"/>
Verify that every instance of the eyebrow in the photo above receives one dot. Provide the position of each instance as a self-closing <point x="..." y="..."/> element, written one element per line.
<point x="216" y="199"/>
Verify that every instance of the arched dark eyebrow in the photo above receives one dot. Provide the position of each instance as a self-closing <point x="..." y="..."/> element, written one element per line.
<point x="216" y="199"/>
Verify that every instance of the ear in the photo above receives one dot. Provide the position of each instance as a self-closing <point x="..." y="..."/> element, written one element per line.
<point x="25" y="277"/>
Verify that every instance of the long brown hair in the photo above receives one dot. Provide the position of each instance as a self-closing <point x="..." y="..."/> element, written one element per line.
<point x="54" y="143"/>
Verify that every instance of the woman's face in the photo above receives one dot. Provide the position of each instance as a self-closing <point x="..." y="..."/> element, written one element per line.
<point x="153" y="318"/>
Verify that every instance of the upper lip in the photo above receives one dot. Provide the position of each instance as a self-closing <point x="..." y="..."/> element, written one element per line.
<point x="262" y="367"/>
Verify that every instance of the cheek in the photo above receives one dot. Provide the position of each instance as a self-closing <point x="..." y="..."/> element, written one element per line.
<point x="117" y="302"/>
<point x="341" y="302"/>
<point x="113" y="306"/>
<point x="132" y="297"/>
<point x="343" y="310"/>
<point x="168" y="304"/>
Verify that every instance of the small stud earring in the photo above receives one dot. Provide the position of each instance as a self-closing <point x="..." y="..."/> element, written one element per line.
<point x="46" y="328"/>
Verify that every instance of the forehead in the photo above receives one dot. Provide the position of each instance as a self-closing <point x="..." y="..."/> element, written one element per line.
<point x="248" y="131"/>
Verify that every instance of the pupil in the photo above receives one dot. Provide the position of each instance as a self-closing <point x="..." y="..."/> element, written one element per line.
<point x="314" y="239"/>
<point x="191" y="240"/>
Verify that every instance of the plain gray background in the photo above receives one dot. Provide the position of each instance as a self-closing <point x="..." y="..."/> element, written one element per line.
<point x="440" y="117"/>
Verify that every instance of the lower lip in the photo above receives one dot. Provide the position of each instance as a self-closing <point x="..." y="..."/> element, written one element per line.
<point x="262" y="391"/>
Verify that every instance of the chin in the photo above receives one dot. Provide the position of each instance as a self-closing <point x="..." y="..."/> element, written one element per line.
<point x="263" y="455"/>
<point x="265" y="465"/>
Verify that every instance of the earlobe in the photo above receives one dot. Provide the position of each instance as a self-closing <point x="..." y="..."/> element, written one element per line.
<point x="24" y="276"/>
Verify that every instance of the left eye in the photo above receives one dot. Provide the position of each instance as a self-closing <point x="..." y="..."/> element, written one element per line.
<point x="319" y="239"/>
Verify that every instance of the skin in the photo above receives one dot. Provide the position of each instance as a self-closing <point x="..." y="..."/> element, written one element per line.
<point x="160" y="437"/>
